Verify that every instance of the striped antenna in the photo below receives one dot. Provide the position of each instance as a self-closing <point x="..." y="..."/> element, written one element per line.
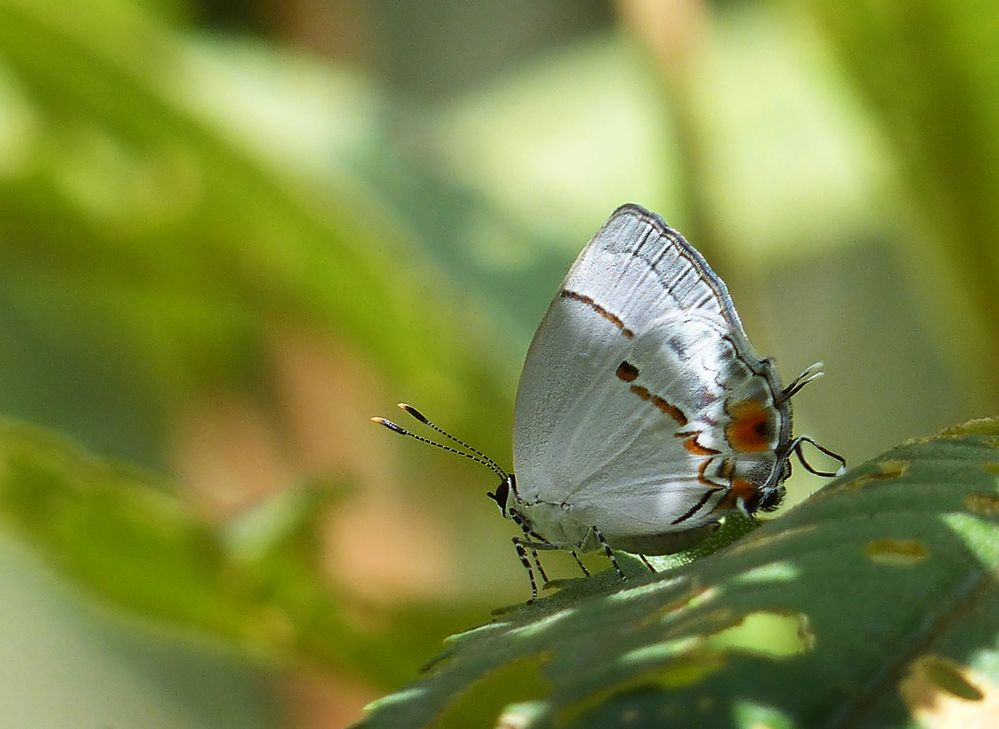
<point x="426" y="421"/>
<point x="810" y="373"/>
<point x="478" y="457"/>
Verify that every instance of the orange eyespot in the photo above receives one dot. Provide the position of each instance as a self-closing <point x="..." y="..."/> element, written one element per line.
<point x="751" y="428"/>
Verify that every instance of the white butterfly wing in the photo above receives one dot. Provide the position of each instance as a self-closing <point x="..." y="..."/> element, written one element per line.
<point x="622" y="402"/>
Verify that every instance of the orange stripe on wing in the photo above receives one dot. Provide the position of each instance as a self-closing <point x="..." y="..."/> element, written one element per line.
<point x="696" y="448"/>
<point x="641" y="392"/>
<point x="672" y="410"/>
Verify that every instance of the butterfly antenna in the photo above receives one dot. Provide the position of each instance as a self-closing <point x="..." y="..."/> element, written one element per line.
<point x="426" y="421"/>
<point x="487" y="462"/>
<point x="796" y="447"/>
<point x="811" y="373"/>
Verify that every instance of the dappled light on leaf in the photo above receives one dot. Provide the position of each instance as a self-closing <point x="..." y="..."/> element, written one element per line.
<point x="985" y="504"/>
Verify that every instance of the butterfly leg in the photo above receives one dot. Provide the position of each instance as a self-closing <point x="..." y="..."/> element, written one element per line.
<point x="518" y="544"/>
<point x="579" y="562"/>
<point x="608" y="552"/>
<point x="647" y="563"/>
<point x="531" y="545"/>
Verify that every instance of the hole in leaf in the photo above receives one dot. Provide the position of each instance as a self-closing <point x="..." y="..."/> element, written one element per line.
<point x="986" y="504"/>
<point x="943" y="693"/>
<point x="896" y="552"/>
<point x="949" y="679"/>
<point x="770" y="633"/>
<point x="886" y="470"/>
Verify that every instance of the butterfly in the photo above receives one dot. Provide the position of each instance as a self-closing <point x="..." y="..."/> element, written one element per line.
<point x="643" y="415"/>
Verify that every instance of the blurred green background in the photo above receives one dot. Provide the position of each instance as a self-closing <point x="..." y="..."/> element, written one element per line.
<point x="231" y="232"/>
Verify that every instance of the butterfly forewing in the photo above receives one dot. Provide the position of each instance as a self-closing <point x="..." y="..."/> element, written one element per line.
<point x="645" y="269"/>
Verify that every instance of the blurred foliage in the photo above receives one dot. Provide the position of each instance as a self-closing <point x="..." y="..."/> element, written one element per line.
<point x="256" y="582"/>
<point x="121" y="187"/>
<point x="840" y="584"/>
<point x="64" y="659"/>
<point x="404" y="187"/>
<point x="930" y="72"/>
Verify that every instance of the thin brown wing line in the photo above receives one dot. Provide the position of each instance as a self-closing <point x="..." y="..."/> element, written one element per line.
<point x="601" y="310"/>
<point x="697" y="507"/>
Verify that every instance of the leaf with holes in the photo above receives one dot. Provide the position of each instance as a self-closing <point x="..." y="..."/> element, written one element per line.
<point x="877" y="597"/>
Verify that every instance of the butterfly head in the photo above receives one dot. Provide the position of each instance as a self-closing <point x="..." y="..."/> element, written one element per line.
<point x="765" y="499"/>
<point x="502" y="494"/>
<point x="769" y="496"/>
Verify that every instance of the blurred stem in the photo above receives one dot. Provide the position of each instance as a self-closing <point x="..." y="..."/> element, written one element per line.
<point x="929" y="71"/>
<point x="674" y="34"/>
<point x="246" y="238"/>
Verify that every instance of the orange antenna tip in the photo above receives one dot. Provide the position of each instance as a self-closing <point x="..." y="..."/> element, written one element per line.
<point x="388" y="424"/>
<point x="414" y="412"/>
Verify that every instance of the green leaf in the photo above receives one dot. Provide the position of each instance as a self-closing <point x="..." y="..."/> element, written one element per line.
<point x="256" y="584"/>
<point x="871" y="604"/>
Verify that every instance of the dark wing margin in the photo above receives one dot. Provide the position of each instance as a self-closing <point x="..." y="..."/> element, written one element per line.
<point x="685" y="250"/>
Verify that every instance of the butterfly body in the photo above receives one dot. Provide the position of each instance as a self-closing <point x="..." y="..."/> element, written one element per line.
<point x="644" y="415"/>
